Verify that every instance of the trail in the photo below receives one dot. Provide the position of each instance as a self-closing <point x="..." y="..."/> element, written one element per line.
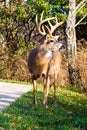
<point x="9" y="92"/>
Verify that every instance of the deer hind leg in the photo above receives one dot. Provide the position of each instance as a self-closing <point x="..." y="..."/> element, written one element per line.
<point x="46" y="91"/>
<point x="34" y="90"/>
<point x="55" y="86"/>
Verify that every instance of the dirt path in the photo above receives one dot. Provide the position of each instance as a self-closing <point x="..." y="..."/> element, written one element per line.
<point x="9" y="92"/>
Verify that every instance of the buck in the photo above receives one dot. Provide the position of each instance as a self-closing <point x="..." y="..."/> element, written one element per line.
<point x="45" y="59"/>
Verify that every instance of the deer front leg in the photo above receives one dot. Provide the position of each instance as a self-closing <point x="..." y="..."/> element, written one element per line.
<point x="54" y="102"/>
<point x="34" y="90"/>
<point x="46" y="91"/>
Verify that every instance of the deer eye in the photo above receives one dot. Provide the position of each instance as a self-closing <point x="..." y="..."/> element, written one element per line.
<point x="50" y="41"/>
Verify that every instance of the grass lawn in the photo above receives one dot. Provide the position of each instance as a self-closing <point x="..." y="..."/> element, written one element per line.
<point x="70" y="113"/>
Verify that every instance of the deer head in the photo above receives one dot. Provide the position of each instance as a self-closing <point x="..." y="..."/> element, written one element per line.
<point x="48" y="31"/>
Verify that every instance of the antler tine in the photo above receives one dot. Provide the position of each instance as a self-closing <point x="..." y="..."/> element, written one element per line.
<point x="41" y="28"/>
<point x="39" y="24"/>
<point x="41" y="16"/>
<point x="58" y="24"/>
<point x="42" y="32"/>
<point x="55" y="26"/>
<point x="51" y="28"/>
<point x="36" y="20"/>
<point x="50" y="24"/>
<point x="47" y="28"/>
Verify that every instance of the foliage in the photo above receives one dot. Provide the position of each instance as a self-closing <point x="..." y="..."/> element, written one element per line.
<point x="17" y="20"/>
<point x="53" y="7"/>
<point x="16" y="24"/>
<point x="70" y="113"/>
<point x="50" y="8"/>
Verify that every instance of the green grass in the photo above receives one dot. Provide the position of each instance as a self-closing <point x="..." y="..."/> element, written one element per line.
<point x="70" y="113"/>
<point x="14" y="81"/>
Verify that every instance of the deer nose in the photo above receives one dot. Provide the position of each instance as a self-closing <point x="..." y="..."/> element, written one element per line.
<point x="43" y="75"/>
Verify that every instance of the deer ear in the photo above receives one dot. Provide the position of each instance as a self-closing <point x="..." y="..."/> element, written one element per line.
<point x="61" y="47"/>
<point x="56" y="37"/>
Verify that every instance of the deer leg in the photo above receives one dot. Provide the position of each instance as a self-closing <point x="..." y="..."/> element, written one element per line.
<point x="55" y="86"/>
<point x="34" y="90"/>
<point x="54" y="102"/>
<point x="46" y="91"/>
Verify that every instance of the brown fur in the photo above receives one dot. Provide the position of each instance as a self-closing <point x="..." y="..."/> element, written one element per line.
<point x="40" y="63"/>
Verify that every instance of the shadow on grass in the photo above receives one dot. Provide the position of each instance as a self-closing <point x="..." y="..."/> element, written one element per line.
<point x="66" y="115"/>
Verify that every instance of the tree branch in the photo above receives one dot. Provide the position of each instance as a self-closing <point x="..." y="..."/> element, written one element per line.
<point x="78" y="6"/>
<point x="80" y="20"/>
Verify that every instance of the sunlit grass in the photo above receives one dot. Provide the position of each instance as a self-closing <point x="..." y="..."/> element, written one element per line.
<point x="70" y="113"/>
<point x="14" y="81"/>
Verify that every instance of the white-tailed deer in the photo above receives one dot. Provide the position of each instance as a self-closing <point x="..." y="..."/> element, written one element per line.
<point x="45" y="59"/>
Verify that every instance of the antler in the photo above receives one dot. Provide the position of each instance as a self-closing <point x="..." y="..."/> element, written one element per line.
<point x="41" y="28"/>
<point x="52" y="28"/>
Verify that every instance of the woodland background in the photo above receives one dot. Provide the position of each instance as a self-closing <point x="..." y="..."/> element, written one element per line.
<point x="18" y="35"/>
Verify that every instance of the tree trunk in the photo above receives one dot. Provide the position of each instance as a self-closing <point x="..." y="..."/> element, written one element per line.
<point x="75" y="78"/>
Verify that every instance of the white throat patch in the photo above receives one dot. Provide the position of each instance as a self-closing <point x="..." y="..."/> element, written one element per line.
<point x="49" y="53"/>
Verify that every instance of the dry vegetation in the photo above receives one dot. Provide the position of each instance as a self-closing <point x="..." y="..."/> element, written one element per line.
<point x="82" y="61"/>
